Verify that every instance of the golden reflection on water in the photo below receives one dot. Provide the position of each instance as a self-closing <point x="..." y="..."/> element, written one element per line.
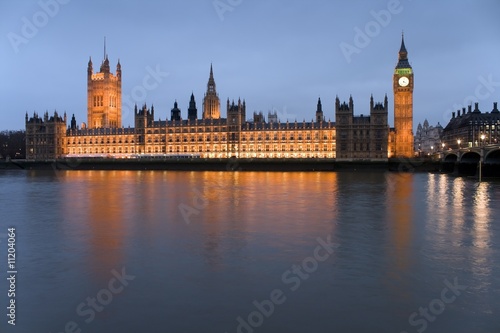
<point x="399" y="210"/>
<point x="116" y="210"/>
<point x="271" y="209"/>
<point x="117" y="207"/>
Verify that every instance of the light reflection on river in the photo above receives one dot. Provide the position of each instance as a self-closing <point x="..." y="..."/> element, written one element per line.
<point x="203" y="246"/>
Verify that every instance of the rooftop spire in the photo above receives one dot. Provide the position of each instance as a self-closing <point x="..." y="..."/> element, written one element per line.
<point x="403" y="55"/>
<point x="402" y="51"/>
<point x="211" y="83"/>
<point x="105" y="55"/>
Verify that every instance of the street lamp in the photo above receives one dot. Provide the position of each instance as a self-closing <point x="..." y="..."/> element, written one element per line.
<point x="442" y="146"/>
<point x="459" y="141"/>
<point x="482" y="139"/>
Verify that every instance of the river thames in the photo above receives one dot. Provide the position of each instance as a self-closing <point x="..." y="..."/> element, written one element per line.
<point x="155" y="251"/>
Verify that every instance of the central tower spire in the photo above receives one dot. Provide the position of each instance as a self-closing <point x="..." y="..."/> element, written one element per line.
<point x="211" y="102"/>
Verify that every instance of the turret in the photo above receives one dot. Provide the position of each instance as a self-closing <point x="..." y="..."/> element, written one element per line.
<point x="89" y="67"/>
<point x="192" y="110"/>
<point x="73" y="122"/>
<point x="105" y="66"/>
<point x="495" y="109"/>
<point x="119" y="69"/>
<point x="476" y="108"/>
<point x="175" y="113"/>
<point x="319" y="112"/>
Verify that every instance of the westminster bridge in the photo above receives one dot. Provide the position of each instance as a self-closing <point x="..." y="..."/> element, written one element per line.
<point x="478" y="160"/>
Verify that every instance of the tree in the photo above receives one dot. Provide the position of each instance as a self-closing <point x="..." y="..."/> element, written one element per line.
<point x="13" y="144"/>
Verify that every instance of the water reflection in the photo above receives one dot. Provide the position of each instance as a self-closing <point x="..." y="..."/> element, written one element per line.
<point x="459" y="228"/>
<point x="256" y="209"/>
<point x="399" y="205"/>
<point x="400" y="237"/>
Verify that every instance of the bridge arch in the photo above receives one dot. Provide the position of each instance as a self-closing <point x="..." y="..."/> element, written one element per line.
<point x="451" y="158"/>
<point x="470" y="157"/>
<point x="492" y="157"/>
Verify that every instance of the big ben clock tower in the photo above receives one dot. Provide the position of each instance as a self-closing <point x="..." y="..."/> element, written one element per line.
<point x="403" y="105"/>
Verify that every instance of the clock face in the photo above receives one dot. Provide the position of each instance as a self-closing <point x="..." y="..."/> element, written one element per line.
<point x="403" y="81"/>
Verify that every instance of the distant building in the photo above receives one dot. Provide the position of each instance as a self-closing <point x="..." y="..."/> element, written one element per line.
<point x="45" y="137"/>
<point x="428" y="139"/>
<point x="361" y="137"/>
<point x="472" y="128"/>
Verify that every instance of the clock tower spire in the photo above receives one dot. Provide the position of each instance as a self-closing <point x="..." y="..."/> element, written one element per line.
<point x="403" y="104"/>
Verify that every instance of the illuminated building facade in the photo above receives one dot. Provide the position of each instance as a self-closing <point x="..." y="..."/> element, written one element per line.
<point x="104" y="92"/>
<point x="402" y="140"/>
<point x="472" y="128"/>
<point x="352" y="138"/>
<point x="210" y="137"/>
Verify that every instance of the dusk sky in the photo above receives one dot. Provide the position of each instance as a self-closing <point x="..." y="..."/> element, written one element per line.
<point x="277" y="55"/>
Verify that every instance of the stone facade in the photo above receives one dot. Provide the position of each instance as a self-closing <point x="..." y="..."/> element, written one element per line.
<point x="361" y="137"/>
<point x="351" y="138"/>
<point x="104" y="96"/>
<point x="428" y="139"/>
<point x="403" y="105"/>
<point x="472" y="128"/>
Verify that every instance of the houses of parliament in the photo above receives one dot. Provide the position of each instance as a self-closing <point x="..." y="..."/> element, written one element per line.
<point x="351" y="137"/>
